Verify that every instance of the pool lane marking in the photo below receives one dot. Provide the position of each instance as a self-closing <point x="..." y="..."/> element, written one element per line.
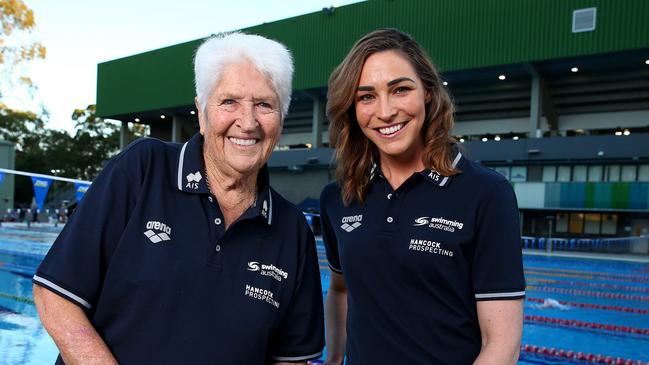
<point x="583" y="357"/>
<point x="589" y="293"/>
<point x="16" y="298"/>
<point x="572" y="323"/>
<point x="584" y="272"/>
<point x="616" y="308"/>
<point x="559" y="275"/>
<point x="640" y="289"/>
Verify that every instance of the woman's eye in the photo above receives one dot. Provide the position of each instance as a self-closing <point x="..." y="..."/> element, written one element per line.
<point x="265" y="105"/>
<point x="365" y="97"/>
<point x="401" y="90"/>
<point x="227" y="102"/>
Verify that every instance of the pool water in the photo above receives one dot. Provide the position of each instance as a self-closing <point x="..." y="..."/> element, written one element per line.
<point x="592" y="307"/>
<point x="22" y="338"/>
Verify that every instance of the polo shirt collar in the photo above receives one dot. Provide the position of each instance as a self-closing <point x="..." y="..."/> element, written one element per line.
<point x="191" y="178"/>
<point x="434" y="177"/>
<point x="431" y="175"/>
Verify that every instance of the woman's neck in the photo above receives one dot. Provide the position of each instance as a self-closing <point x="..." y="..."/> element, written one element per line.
<point x="234" y="192"/>
<point x="396" y="171"/>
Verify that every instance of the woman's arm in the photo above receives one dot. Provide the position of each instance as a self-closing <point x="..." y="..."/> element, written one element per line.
<point x="76" y="338"/>
<point x="501" y="327"/>
<point x="336" y="319"/>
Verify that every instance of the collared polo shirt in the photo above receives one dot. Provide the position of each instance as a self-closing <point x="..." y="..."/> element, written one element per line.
<point x="416" y="259"/>
<point x="147" y="257"/>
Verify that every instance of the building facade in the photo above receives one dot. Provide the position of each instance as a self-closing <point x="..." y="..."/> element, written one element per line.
<point x="552" y="94"/>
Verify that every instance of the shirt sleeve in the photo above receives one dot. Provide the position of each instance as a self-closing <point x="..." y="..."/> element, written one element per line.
<point x="498" y="261"/>
<point x="328" y="234"/>
<point x="300" y="336"/>
<point x="75" y="265"/>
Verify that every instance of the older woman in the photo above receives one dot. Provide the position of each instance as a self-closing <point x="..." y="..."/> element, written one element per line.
<point x="423" y="244"/>
<point x="178" y="254"/>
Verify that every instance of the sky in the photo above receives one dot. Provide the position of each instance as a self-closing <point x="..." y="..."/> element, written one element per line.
<point x="79" y="34"/>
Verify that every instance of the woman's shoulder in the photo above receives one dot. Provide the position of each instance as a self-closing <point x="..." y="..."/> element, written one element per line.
<point x="477" y="175"/>
<point x="332" y="192"/>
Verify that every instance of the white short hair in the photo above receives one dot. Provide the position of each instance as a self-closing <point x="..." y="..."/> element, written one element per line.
<point x="269" y="57"/>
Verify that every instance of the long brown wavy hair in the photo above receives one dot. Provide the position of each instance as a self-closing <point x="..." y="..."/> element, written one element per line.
<point x="355" y="153"/>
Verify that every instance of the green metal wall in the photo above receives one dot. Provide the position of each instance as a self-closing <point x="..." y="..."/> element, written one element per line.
<point x="459" y="34"/>
<point x="7" y="161"/>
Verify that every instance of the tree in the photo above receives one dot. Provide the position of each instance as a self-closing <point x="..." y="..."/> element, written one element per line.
<point x="17" y="21"/>
<point x="95" y="141"/>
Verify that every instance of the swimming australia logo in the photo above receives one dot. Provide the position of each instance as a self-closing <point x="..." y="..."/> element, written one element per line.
<point x="193" y="180"/>
<point x="157" y="231"/>
<point x="351" y="222"/>
<point x="439" y="223"/>
<point x="268" y="270"/>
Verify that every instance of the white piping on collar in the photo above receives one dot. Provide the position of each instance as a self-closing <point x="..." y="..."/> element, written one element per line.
<point x="181" y="160"/>
<point x="455" y="162"/>
<point x="270" y="206"/>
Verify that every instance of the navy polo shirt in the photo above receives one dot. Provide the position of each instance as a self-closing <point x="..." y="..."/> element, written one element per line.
<point x="416" y="259"/>
<point x="147" y="257"/>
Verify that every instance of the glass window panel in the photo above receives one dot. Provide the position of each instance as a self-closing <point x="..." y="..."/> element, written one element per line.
<point x="563" y="174"/>
<point x="562" y="223"/>
<point x="628" y="173"/>
<point x="613" y="174"/>
<point x="503" y="170"/>
<point x="643" y="173"/>
<point x="591" y="224"/>
<point x="579" y="173"/>
<point x="549" y="173"/>
<point x="609" y="224"/>
<point x="595" y="173"/>
<point x="518" y="174"/>
<point x="534" y="173"/>
<point x="577" y="223"/>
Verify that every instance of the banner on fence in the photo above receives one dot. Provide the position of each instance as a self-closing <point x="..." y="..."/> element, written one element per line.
<point x="80" y="189"/>
<point x="41" y="187"/>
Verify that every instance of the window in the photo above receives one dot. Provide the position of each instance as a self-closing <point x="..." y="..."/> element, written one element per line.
<point x="579" y="173"/>
<point x="576" y="223"/>
<point x="643" y="173"/>
<point x="609" y="224"/>
<point x="613" y="173"/>
<point x="549" y="173"/>
<point x="503" y="170"/>
<point x="595" y="173"/>
<point x="628" y="173"/>
<point x="591" y="224"/>
<point x="518" y="174"/>
<point x="563" y="174"/>
<point x="534" y="173"/>
<point x="562" y="223"/>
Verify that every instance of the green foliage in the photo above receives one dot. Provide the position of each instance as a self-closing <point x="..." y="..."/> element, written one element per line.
<point x="55" y="152"/>
<point x="16" y="47"/>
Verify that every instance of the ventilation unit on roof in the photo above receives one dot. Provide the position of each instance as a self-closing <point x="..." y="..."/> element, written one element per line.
<point x="583" y="20"/>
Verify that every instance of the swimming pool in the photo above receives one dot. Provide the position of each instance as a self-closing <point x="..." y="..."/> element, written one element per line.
<point x="22" y="338"/>
<point x="579" y="310"/>
<point x="606" y="313"/>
